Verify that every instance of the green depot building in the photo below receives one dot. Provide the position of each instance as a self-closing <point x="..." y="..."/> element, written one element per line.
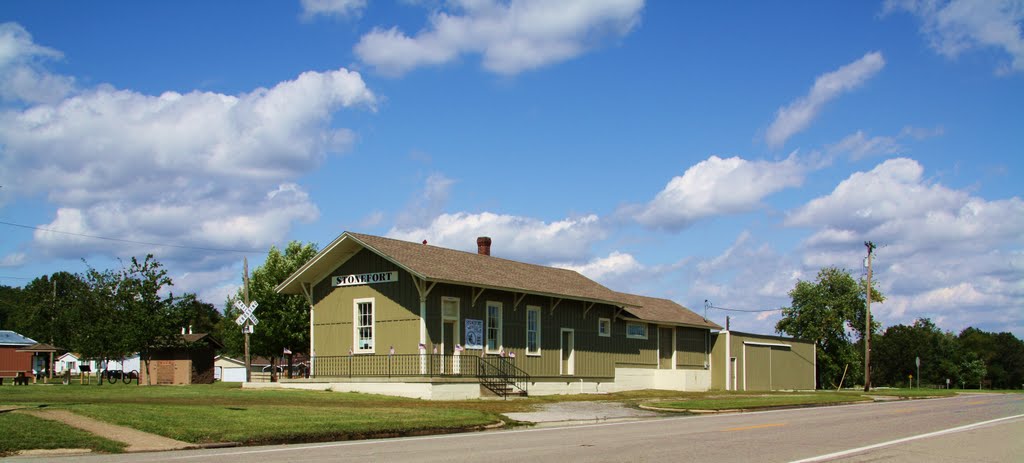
<point x="415" y="320"/>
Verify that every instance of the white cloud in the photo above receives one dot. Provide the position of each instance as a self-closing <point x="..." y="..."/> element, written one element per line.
<point x="921" y="133"/>
<point x="200" y="169"/>
<point x="717" y="186"/>
<point x="514" y="237"/>
<point x="340" y="8"/>
<point x="942" y="251"/>
<point x="798" y="115"/>
<point x="13" y="260"/>
<point x="512" y="36"/>
<point x="605" y="268"/>
<point x="960" y="25"/>
<point x="21" y="75"/>
<point x="858" y="146"/>
<point x="748" y="277"/>
<point x="427" y="203"/>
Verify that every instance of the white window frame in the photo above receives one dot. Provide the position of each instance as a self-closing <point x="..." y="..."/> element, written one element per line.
<point x="533" y="309"/>
<point x="356" y="325"/>
<point x="604" y="322"/>
<point x="636" y="336"/>
<point x="444" y="316"/>
<point x="498" y="329"/>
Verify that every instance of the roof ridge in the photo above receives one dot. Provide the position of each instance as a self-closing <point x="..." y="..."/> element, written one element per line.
<point x="471" y="253"/>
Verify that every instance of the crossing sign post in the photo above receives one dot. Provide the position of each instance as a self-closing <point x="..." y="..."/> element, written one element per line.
<point x="247" y="320"/>
<point x="247" y="313"/>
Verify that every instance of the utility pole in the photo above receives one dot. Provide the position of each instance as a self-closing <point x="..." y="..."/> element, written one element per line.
<point x="867" y="324"/>
<point x="245" y="328"/>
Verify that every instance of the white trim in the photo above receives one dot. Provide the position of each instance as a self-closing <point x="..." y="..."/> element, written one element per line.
<point x="675" y="346"/>
<point x="729" y="368"/>
<point x="445" y="319"/>
<point x="355" y="325"/>
<point x="608" y="334"/>
<point x="769" y="344"/>
<point x="529" y="309"/>
<point x="458" y="309"/>
<point x="572" y="353"/>
<point x="647" y="330"/>
<point x="487" y="327"/>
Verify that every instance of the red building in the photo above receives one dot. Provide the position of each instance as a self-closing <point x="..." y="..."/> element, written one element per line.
<point x="12" y="362"/>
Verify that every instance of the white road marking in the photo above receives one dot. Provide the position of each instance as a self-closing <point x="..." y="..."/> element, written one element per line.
<point x="844" y="453"/>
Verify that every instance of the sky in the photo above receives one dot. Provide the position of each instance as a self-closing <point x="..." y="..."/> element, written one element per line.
<point x="695" y="151"/>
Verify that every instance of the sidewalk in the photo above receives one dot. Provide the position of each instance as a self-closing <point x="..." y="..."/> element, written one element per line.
<point x="137" y="441"/>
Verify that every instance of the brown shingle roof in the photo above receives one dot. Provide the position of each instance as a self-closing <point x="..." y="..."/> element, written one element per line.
<point x="663" y="310"/>
<point x="449" y="265"/>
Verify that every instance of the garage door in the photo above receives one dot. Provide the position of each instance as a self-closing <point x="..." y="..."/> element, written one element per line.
<point x="769" y="368"/>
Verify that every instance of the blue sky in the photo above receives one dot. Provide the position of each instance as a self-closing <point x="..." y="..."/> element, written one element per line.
<point x="685" y="150"/>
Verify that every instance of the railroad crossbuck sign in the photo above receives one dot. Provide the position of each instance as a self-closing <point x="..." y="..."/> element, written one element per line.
<point x="246" y="315"/>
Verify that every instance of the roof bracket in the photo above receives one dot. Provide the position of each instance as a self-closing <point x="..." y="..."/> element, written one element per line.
<point x="422" y="288"/>
<point x="554" y="303"/>
<point x="618" y="313"/>
<point x="307" y="289"/>
<point x="519" y="299"/>
<point x="477" y="294"/>
<point x="589" y="306"/>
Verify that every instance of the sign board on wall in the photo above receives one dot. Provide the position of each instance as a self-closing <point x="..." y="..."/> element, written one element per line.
<point x="474" y="334"/>
<point x="364" y="279"/>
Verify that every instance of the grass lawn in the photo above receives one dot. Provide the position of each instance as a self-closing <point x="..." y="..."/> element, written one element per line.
<point x="24" y="432"/>
<point x="224" y="412"/>
<point x="227" y="413"/>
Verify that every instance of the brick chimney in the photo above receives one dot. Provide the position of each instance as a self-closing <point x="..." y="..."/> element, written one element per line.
<point x="483" y="245"/>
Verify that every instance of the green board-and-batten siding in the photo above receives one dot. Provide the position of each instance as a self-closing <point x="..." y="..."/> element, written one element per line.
<point x="397" y="324"/>
<point x="762" y="362"/>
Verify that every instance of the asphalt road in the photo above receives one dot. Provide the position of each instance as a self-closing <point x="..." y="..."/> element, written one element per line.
<point x="964" y="428"/>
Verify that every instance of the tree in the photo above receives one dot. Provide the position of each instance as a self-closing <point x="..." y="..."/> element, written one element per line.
<point x="199" y="316"/>
<point x="149" y="313"/>
<point x="830" y="312"/>
<point x="47" y="307"/>
<point x="284" y="319"/>
<point x="894" y="352"/>
<point x="972" y="372"/>
<point x="10" y="299"/>
<point x="1001" y="353"/>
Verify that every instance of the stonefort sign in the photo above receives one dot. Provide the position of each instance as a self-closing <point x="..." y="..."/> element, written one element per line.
<point x="364" y="279"/>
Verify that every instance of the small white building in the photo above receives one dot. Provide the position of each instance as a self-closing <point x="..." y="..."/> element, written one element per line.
<point x="228" y="369"/>
<point x="71" y="361"/>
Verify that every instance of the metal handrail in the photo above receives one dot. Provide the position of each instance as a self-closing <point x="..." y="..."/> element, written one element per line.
<point x="498" y="374"/>
<point x="501" y="376"/>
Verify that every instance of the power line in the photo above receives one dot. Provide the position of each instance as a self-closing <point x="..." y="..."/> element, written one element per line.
<point x="13" y="278"/>
<point x="120" y="240"/>
<point x="708" y="305"/>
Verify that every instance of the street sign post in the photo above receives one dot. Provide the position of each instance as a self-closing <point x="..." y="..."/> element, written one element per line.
<point x="917" y="361"/>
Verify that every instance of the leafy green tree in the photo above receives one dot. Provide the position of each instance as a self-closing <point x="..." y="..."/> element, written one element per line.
<point x="47" y="307"/>
<point x="201" y="317"/>
<point x="973" y="372"/>
<point x="1001" y="353"/>
<point x="10" y="300"/>
<point x="894" y="352"/>
<point x="830" y="312"/>
<point x="284" y="319"/>
<point x="145" y="308"/>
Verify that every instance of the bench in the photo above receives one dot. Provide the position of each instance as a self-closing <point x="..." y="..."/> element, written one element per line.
<point x="19" y="377"/>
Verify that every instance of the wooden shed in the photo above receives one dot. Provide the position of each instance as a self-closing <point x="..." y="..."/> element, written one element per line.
<point x="188" y="360"/>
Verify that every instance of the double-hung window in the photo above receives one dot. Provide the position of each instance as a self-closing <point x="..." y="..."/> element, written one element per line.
<point x="363" y="317"/>
<point x="604" y="327"/>
<point x="532" y="330"/>
<point x="492" y="344"/>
